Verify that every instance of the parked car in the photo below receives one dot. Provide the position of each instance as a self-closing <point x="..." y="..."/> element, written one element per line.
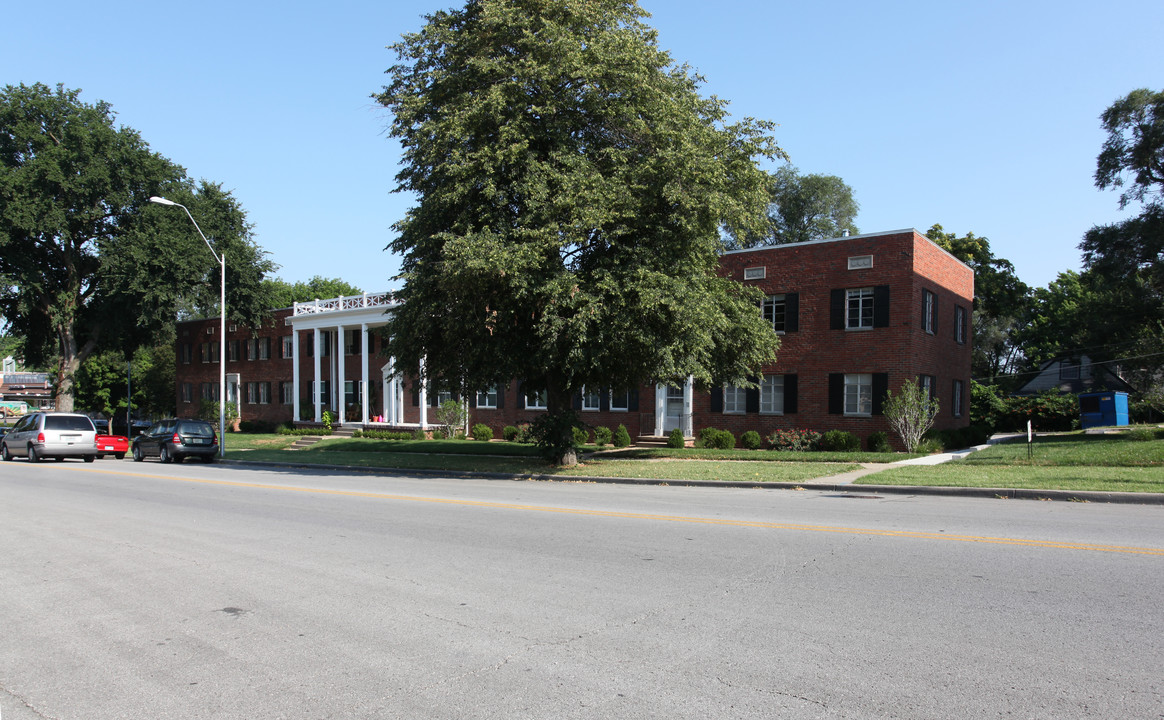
<point x="115" y="445"/>
<point x="175" y="439"/>
<point x="51" y="434"/>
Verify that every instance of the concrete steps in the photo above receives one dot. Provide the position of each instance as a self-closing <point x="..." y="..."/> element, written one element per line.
<point x="304" y="442"/>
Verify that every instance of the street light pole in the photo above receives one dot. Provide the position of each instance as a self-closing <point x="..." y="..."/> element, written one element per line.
<point x="221" y="258"/>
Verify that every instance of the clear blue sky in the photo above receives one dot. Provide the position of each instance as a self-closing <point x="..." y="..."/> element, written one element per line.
<point x="980" y="116"/>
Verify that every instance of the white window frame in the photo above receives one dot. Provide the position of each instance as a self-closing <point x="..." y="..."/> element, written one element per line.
<point x="591" y="400"/>
<point x="859" y="309"/>
<point x="187" y="392"/>
<point x="620" y="402"/>
<point x="957" y="404"/>
<point x="537" y="401"/>
<point x="735" y="400"/>
<point x="286" y="393"/>
<point x="769" y="306"/>
<point x="288" y="347"/>
<point x="772" y="395"/>
<point x="487" y="398"/>
<point x="859" y="394"/>
<point x="960" y="324"/>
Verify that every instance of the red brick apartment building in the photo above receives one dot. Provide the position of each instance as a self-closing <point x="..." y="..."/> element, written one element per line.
<point x="857" y="316"/>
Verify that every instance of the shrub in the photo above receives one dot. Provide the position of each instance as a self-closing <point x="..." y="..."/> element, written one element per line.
<point x="839" y="441"/>
<point x="383" y="435"/>
<point x="556" y="435"/>
<point x="581" y="436"/>
<point x="296" y="431"/>
<point x="706" y="437"/>
<point x="602" y="436"/>
<point x="621" y="437"/>
<point x="420" y="434"/>
<point x="717" y="439"/>
<point x="451" y="416"/>
<point x="929" y="446"/>
<point x="676" y="439"/>
<point x="878" y="442"/>
<point x="1140" y="433"/>
<point x="482" y="432"/>
<point x="523" y="434"/>
<point x="509" y="433"/>
<point x="795" y="440"/>
<point x="750" y="440"/>
<point x="911" y="412"/>
<point x="257" y="426"/>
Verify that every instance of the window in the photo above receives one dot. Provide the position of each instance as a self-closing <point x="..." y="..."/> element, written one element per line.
<point x="957" y="404"/>
<point x="860" y="262"/>
<point x="858" y="394"/>
<point x="187" y="392"/>
<point x="735" y="399"/>
<point x="929" y="308"/>
<point x="350" y="395"/>
<point x="591" y="399"/>
<point x="232" y="350"/>
<point x="928" y="382"/>
<point x="620" y="401"/>
<point x="187" y="353"/>
<point x="210" y="391"/>
<point x="772" y="395"/>
<point x="487" y="398"/>
<point x="535" y="400"/>
<point x="960" y="324"/>
<point x="288" y="347"/>
<point x="859" y="309"/>
<point x="287" y="392"/>
<point x="352" y="347"/>
<point x="252" y="393"/>
<point x="325" y="343"/>
<point x="259" y="349"/>
<point x="755" y="273"/>
<point x="210" y="352"/>
<point x="774" y="311"/>
<point x="1069" y="370"/>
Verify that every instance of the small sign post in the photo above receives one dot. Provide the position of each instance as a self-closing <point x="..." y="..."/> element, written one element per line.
<point x="1030" y="440"/>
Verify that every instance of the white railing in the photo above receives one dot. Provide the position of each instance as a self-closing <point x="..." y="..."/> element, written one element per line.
<point x="354" y="302"/>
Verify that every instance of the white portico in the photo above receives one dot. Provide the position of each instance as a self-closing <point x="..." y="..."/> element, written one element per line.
<point x="339" y="328"/>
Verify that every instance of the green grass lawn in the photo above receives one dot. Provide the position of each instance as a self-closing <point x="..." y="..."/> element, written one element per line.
<point x="1068" y="461"/>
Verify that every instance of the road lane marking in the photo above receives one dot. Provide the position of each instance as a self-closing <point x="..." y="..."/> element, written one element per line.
<point x="911" y="534"/>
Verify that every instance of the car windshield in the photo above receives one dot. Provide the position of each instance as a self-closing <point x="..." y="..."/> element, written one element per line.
<point x="195" y="428"/>
<point x="68" y="422"/>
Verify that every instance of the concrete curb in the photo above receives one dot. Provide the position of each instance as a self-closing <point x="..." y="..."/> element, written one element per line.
<point x="845" y="488"/>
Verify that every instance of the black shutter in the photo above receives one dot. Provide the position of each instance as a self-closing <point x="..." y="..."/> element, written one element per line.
<point x="752" y="400"/>
<point x="576" y="401"/>
<point x="632" y="401"/>
<point x="501" y="395"/>
<point x="837" y="309"/>
<point x="790" y="387"/>
<point x="836" y="393"/>
<point x="521" y="395"/>
<point x="473" y="400"/>
<point x="717" y="399"/>
<point x="791" y="312"/>
<point x="415" y="394"/>
<point x="604" y="400"/>
<point x="880" y="388"/>
<point x="881" y="306"/>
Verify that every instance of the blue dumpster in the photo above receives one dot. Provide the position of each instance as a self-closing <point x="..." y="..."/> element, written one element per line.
<point x="1101" y="409"/>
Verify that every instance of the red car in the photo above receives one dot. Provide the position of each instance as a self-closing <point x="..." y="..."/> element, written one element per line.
<point x="115" y="445"/>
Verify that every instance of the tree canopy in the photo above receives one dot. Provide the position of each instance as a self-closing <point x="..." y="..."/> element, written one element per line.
<point x="284" y="294"/>
<point x="803" y="208"/>
<point x="571" y="185"/>
<point x="88" y="263"/>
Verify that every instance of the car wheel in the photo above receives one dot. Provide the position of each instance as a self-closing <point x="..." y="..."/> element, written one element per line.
<point x="100" y="457"/>
<point x="59" y="458"/>
<point x="90" y="458"/>
<point x="32" y="456"/>
<point x="119" y="456"/>
<point x="137" y="456"/>
<point x="164" y="455"/>
<point x="4" y="452"/>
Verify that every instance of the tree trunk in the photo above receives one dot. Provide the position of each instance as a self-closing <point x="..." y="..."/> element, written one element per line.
<point x="71" y="359"/>
<point x="557" y="404"/>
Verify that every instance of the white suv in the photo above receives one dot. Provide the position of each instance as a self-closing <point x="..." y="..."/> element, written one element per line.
<point x="51" y="434"/>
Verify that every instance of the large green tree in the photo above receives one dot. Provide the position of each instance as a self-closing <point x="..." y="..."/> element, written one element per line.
<point x="803" y="208"/>
<point x="1124" y="261"/>
<point x="571" y="185"/>
<point x="88" y="263"/>
<point x="285" y="294"/>
<point x="1000" y="302"/>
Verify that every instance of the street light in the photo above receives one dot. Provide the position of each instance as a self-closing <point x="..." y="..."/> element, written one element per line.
<point x="222" y="332"/>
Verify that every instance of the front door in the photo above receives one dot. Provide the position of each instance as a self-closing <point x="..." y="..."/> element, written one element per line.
<point x="674" y="409"/>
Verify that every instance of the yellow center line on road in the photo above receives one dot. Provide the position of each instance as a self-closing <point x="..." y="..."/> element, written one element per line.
<point x="912" y="534"/>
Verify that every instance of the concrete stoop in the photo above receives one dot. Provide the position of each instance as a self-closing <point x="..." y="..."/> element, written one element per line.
<point x="304" y="442"/>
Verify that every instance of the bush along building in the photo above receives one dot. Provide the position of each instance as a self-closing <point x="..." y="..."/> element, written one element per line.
<point x="858" y="316"/>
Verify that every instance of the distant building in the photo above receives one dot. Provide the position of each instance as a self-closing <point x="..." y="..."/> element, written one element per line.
<point x="857" y="316"/>
<point x="1072" y="375"/>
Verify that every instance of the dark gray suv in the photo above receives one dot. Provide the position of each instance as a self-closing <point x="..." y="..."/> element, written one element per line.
<point x="175" y="439"/>
<point x="51" y="434"/>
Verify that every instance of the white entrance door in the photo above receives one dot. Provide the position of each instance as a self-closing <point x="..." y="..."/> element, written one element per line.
<point x="674" y="413"/>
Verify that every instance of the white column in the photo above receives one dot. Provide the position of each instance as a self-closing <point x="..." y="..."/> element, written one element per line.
<point x="660" y="409"/>
<point x="423" y="398"/>
<point x="341" y="354"/>
<point x="294" y="374"/>
<point x="688" y="406"/>
<point x="364" y="372"/>
<point x="315" y="386"/>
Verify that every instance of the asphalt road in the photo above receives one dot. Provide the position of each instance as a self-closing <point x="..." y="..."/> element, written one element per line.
<point x="192" y="591"/>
